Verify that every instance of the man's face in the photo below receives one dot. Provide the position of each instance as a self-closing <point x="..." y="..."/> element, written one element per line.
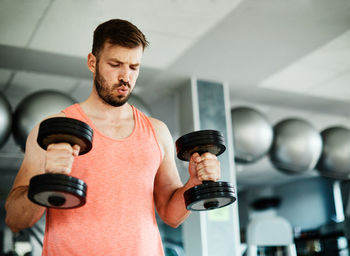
<point x="117" y="69"/>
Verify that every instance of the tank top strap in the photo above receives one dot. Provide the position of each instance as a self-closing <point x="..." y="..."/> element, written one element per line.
<point x="74" y="111"/>
<point x="144" y="127"/>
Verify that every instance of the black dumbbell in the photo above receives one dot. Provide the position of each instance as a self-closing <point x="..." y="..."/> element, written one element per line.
<point x="59" y="190"/>
<point x="208" y="195"/>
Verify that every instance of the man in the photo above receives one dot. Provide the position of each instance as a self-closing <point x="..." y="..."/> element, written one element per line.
<point x="130" y="169"/>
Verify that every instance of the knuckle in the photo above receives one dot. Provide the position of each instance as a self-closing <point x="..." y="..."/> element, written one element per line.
<point x="209" y="155"/>
<point x="50" y="148"/>
<point x="205" y="164"/>
<point x="66" y="169"/>
<point x="199" y="167"/>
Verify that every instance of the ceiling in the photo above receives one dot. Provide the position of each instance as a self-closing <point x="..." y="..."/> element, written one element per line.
<point x="285" y="58"/>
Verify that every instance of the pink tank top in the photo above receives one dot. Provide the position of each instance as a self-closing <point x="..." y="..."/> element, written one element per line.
<point x="119" y="215"/>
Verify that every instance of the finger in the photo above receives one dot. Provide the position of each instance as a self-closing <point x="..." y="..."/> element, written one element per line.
<point x="59" y="146"/>
<point x="205" y="176"/>
<point x="192" y="167"/>
<point x="196" y="158"/>
<point x="208" y="163"/>
<point x="208" y="169"/>
<point x="76" y="150"/>
<point x="208" y="155"/>
<point x="59" y="167"/>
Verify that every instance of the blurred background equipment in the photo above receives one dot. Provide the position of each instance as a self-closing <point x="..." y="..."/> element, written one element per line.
<point x="252" y="134"/>
<point x="296" y="147"/>
<point x="267" y="233"/>
<point x="5" y="119"/>
<point x="34" y="108"/>
<point x="335" y="158"/>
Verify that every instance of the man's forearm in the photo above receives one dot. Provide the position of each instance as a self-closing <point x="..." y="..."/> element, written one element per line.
<point x="20" y="212"/>
<point x="176" y="212"/>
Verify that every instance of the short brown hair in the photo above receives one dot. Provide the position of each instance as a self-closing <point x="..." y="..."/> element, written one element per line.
<point x="119" y="32"/>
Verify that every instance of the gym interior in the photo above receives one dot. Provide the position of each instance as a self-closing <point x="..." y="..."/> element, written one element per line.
<point x="272" y="76"/>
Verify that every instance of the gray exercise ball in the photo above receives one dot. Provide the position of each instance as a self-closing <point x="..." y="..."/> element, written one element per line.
<point x="296" y="146"/>
<point x="139" y="104"/>
<point x="252" y="134"/>
<point x="33" y="109"/>
<point x="335" y="158"/>
<point x="5" y="120"/>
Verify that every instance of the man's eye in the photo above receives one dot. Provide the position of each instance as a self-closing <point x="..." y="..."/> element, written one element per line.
<point x="114" y="65"/>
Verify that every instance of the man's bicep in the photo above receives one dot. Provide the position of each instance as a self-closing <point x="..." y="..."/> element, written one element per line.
<point x="33" y="162"/>
<point x="167" y="178"/>
<point x="166" y="182"/>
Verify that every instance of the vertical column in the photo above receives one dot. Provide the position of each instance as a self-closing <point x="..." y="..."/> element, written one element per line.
<point x="205" y="105"/>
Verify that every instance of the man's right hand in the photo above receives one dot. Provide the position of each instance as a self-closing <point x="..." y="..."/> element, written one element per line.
<point x="60" y="157"/>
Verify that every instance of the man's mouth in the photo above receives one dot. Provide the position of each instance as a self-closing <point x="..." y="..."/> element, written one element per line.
<point x="123" y="89"/>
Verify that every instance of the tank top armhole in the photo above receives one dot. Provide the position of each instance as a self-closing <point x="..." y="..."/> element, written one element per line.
<point x="140" y="115"/>
<point x="70" y="110"/>
<point x="157" y="141"/>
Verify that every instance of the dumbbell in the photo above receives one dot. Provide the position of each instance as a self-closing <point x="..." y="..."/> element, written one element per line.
<point x="208" y="195"/>
<point x="56" y="190"/>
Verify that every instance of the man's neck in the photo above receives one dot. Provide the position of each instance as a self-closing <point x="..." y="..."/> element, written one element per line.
<point x="95" y="107"/>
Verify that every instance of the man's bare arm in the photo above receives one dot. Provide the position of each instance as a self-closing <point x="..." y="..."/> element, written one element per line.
<point x="20" y="211"/>
<point x="168" y="188"/>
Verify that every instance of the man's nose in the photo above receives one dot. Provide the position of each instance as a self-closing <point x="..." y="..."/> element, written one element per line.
<point x="124" y="75"/>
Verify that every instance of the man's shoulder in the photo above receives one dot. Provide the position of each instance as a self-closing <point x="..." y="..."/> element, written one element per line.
<point x="158" y="124"/>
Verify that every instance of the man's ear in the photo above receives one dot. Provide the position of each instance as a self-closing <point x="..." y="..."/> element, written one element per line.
<point x="91" y="62"/>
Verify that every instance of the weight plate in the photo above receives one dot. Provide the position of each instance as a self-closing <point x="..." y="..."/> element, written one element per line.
<point x="56" y="176"/>
<point x="68" y="135"/>
<point x="195" y="192"/>
<point x="189" y="198"/>
<point x="63" y="129"/>
<point x="218" y="139"/>
<point x="211" y="185"/>
<point x="207" y="189"/>
<point x="59" y="183"/>
<point x="67" y="122"/>
<point x="187" y="151"/>
<point x="203" y="139"/>
<point x="205" y="202"/>
<point x="69" y="200"/>
<point x="200" y="141"/>
<point x="49" y="187"/>
<point x="201" y="133"/>
<point x="56" y="196"/>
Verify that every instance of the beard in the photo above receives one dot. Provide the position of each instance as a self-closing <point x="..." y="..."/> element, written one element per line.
<point x="106" y="93"/>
